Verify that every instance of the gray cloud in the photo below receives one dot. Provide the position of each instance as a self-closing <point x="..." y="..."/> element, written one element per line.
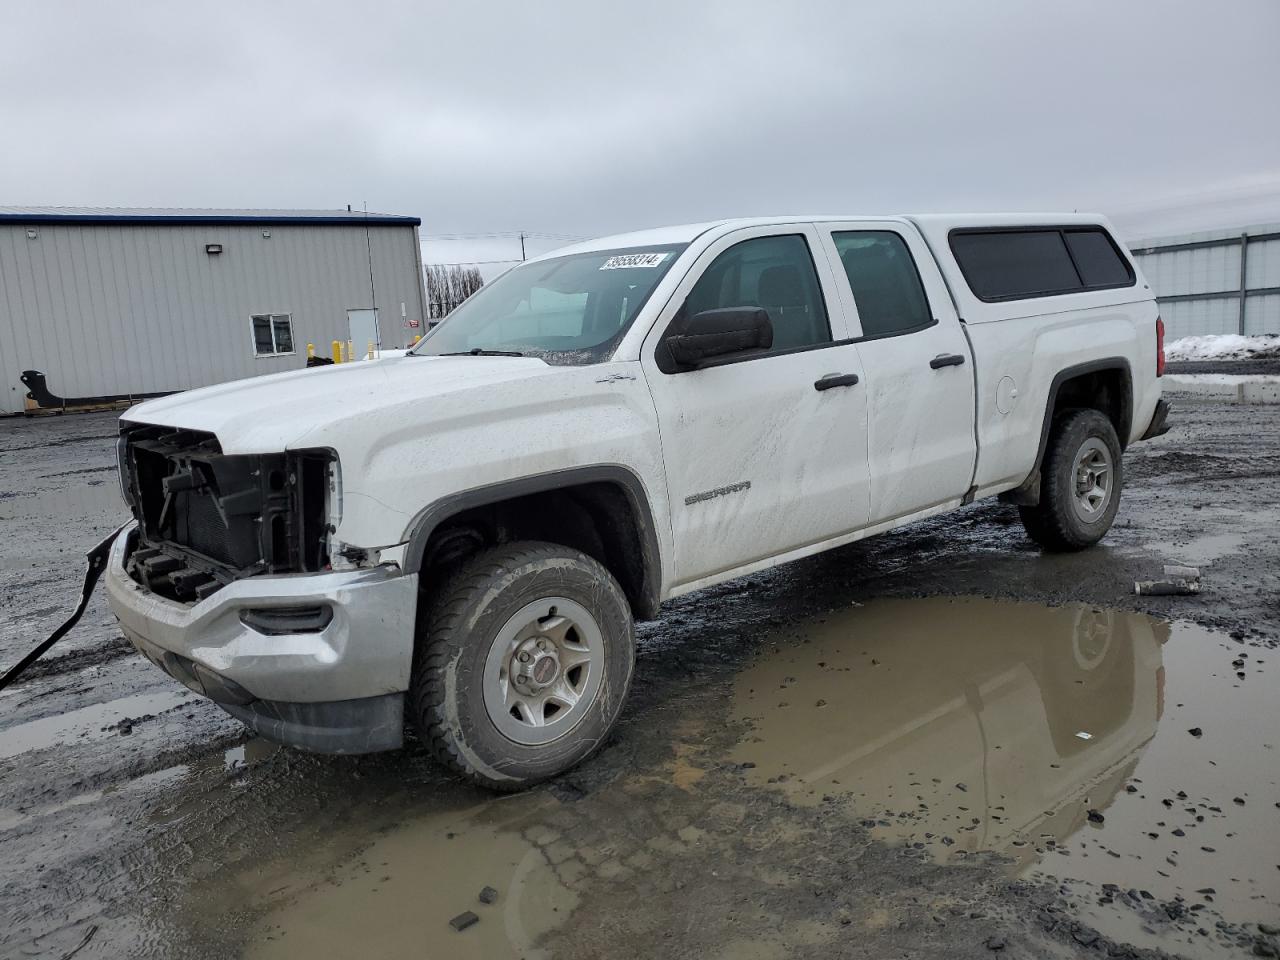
<point x="588" y="118"/>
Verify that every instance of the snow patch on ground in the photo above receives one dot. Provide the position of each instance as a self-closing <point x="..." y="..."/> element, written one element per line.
<point x="1191" y="380"/>
<point x="1224" y="346"/>
<point x="1247" y="388"/>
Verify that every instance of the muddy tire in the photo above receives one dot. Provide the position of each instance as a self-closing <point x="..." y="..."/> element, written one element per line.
<point x="522" y="663"/>
<point x="1081" y="479"/>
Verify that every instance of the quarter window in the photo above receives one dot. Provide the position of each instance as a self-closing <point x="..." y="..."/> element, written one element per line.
<point x="885" y="282"/>
<point x="1097" y="259"/>
<point x="1014" y="264"/>
<point x="272" y="334"/>
<point x="775" y="273"/>
<point x="1039" y="261"/>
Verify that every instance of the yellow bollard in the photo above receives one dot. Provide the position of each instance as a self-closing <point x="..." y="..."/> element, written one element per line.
<point x="336" y="350"/>
<point x="311" y="351"/>
<point x="351" y="351"/>
<point x="369" y="355"/>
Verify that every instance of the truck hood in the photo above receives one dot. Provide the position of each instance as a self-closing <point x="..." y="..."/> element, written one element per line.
<point x="277" y="412"/>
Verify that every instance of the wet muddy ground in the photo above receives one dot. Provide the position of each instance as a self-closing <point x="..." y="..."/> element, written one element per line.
<point x="935" y="743"/>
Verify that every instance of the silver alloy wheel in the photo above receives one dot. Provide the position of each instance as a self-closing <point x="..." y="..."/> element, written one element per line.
<point x="1093" y="479"/>
<point x="543" y="671"/>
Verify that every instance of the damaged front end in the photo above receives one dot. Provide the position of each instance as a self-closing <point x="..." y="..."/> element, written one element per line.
<point x="206" y="518"/>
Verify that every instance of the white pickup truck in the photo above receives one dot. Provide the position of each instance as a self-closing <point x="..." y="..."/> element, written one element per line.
<point x="464" y="536"/>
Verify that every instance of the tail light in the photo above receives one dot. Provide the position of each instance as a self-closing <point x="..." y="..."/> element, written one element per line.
<point x="1159" y="347"/>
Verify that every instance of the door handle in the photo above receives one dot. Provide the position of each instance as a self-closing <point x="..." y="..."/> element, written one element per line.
<point x="946" y="360"/>
<point x="835" y="380"/>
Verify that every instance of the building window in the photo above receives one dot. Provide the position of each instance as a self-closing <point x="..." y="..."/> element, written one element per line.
<point x="272" y="334"/>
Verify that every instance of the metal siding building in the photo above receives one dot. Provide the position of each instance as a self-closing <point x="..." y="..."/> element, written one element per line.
<point x="1223" y="281"/>
<point x="110" y="302"/>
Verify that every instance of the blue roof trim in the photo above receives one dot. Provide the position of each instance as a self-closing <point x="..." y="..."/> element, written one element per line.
<point x="383" y="220"/>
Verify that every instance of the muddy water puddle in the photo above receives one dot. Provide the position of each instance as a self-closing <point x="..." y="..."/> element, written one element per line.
<point x="408" y="886"/>
<point x="1055" y="737"/>
<point x="87" y="723"/>
<point x="502" y="878"/>
<point x="1083" y="744"/>
<point x="1238" y="530"/>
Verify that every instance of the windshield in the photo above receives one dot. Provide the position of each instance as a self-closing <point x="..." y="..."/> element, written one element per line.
<point x="568" y="310"/>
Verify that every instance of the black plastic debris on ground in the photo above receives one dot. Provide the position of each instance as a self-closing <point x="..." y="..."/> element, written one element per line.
<point x="464" y="920"/>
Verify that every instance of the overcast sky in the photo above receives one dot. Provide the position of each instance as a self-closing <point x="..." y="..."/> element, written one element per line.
<point x="578" y="119"/>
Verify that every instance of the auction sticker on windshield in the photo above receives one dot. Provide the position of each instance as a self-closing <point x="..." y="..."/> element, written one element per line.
<point x="629" y="261"/>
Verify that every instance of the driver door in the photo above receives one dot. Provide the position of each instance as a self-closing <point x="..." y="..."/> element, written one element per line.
<point x="765" y="454"/>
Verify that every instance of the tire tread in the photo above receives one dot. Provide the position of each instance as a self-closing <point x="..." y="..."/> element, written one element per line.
<point x="440" y="640"/>
<point x="1048" y="523"/>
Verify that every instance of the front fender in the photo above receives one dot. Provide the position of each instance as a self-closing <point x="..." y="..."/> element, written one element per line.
<point x="475" y="446"/>
<point x="436" y="513"/>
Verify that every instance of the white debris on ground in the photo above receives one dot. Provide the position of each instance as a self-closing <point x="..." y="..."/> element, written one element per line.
<point x="1225" y="346"/>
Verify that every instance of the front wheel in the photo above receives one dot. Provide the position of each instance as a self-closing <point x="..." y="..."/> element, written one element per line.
<point x="522" y="664"/>
<point x="1080" y="483"/>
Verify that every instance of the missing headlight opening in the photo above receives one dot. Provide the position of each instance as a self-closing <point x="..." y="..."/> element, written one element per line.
<point x="206" y="518"/>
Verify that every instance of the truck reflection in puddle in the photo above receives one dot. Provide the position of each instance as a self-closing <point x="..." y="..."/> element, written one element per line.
<point x="968" y="724"/>
<point x="958" y="725"/>
<point x="963" y="725"/>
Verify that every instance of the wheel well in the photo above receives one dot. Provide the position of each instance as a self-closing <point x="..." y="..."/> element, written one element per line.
<point x="1107" y="390"/>
<point x="598" y="518"/>
<point x="1105" y="385"/>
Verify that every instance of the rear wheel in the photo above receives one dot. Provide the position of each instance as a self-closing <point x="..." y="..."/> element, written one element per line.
<point x="522" y="664"/>
<point x="1080" y="483"/>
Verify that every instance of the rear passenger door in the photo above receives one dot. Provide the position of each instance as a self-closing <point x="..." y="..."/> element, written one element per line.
<point x="765" y="453"/>
<point x="917" y="366"/>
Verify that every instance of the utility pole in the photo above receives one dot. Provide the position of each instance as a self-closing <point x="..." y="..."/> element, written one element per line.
<point x="521" y="246"/>
<point x="368" y="246"/>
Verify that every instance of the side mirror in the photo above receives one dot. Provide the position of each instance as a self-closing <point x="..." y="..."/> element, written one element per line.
<point x="712" y="334"/>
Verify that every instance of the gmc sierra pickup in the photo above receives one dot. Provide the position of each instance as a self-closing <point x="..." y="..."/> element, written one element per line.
<point x="463" y="537"/>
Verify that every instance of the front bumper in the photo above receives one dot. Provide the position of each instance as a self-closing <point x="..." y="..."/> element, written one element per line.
<point x="339" y="689"/>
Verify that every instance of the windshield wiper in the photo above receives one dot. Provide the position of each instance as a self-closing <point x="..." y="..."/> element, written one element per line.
<point x="482" y="352"/>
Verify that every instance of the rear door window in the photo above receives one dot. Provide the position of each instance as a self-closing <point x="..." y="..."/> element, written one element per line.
<point x="885" y="282"/>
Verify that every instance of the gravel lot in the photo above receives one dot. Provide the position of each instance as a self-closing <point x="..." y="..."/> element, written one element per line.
<point x="937" y="743"/>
